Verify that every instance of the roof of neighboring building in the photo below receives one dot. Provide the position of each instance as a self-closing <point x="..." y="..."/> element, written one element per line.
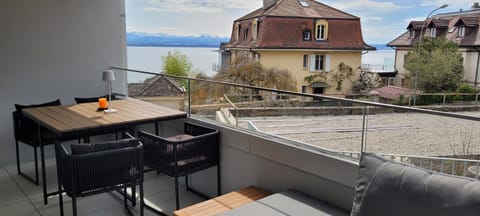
<point x="155" y="86"/>
<point x="282" y="25"/>
<point x="391" y="92"/>
<point x="448" y="21"/>
<point x="293" y="8"/>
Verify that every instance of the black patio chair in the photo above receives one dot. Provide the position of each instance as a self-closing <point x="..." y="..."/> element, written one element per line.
<point x="26" y="131"/>
<point x="90" y="169"/>
<point x="184" y="154"/>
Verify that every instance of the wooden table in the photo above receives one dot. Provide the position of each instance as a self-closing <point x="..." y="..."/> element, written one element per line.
<point x="223" y="203"/>
<point x="81" y="120"/>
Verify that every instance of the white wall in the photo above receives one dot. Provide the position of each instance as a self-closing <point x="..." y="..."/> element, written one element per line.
<point x="56" y="49"/>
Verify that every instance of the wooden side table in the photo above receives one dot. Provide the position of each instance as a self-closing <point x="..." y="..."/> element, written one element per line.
<point x="223" y="203"/>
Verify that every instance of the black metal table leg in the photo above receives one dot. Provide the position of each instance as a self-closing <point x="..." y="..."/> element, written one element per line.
<point x="42" y="161"/>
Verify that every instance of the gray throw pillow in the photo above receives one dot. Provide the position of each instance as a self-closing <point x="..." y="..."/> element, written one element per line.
<point x="392" y="188"/>
<point x="86" y="148"/>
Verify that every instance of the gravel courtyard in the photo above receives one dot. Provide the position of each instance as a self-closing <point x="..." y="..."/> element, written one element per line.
<point x="396" y="133"/>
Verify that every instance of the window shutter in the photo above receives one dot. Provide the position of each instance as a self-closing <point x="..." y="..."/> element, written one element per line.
<point x="312" y="63"/>
<point x="327" y="63"/>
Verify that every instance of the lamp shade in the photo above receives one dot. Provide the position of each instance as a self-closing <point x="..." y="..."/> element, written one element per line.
<point x="108" y="75"/>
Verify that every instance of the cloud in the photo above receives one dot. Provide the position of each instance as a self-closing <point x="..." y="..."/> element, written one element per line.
<point x="371" y="19"/>
<point x="452" y="5"/>
<point x="408" y="20"/>
<point x="370" y="5"/>
<point x="204" y="6"/>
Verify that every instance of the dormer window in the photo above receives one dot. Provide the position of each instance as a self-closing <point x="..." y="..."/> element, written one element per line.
<point x="245" y="34"/>
<point x="254" y="29"/>
<point x="321" y="30"/>
<point x="307" y="35"/>
<point x="237" y="31"/>
<point x="433" y="32"/>
<point x="411" y="33"/>
<point x="461" y="31"/>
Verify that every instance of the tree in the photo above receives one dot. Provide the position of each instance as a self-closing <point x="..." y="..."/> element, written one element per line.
<point x="253" y="73"/>
<point x="438" y="64"/>
<point x="367" y="82"/>
<point x="177" y="64"/>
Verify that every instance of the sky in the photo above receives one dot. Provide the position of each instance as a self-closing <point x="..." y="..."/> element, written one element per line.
<point x="382" y="21"/>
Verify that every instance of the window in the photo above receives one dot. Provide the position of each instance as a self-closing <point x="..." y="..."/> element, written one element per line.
<point x="412" y="33"/>
<point x="319" y="63"/>
<point x="304" y="89"/>
<point x="305" y="61"/>
<point x="245" y="34"/>
<point x="303" y="3"/>
<point x="307" y="35"/>
<point x="254" y="29"/>
<point x="320" y="34"/>
<point x="461" y="31"/>
<point x="321" y="30"/>
<point x="433" y="32"/>
<point x="237" y="31"/>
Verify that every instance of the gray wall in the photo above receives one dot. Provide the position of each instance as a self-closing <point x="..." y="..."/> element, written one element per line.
<point x="56" y="49"/>
<point x="248" y="158"/>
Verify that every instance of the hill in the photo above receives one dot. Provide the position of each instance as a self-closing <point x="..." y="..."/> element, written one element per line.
<point x="146" y="39"/>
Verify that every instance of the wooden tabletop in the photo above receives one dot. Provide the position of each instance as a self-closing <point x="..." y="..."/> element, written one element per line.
<point x="223" y="203"/>
<point x="83" y="117"/>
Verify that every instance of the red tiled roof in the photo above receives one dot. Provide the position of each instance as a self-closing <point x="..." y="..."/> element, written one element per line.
<point x="415" y="25"/>
<point x="438" y="23"/>
<point x="292" y="8"/>
<point x="468" y="21"/>
<point x="155" y="86"/>
<point x="472" y="32"/>
<point x="282" y="25"/>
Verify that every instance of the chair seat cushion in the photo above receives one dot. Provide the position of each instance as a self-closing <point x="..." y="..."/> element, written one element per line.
<point x="103" y="146"/>
<point x="392" y="188"/>
<point x="180" y="137"/>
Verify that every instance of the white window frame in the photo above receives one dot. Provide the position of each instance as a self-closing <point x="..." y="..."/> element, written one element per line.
<point x="461" y="31"/>
<point x="307" y="35"/>
<point x="319" y="63"/>
<point x="255" y="30"/>
<point x="433" y="32"/>
<point x="237" y="31"/>
<point x="320" y="31"/>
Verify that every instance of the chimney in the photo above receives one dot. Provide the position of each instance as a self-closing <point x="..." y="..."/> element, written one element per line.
<point x="269" y="3"/>
<point x="475" y="6"/>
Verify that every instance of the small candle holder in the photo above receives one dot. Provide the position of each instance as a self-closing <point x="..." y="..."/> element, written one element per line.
<point x="102" y="104"/>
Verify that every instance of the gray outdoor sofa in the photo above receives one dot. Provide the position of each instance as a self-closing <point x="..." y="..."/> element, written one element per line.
<point x="383" y="187"/>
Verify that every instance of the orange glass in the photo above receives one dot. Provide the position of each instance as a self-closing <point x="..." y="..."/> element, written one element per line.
<point x="102" y="103"/>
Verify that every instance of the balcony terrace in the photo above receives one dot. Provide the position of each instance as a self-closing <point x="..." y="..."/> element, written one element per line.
<point x="315" y="151"/>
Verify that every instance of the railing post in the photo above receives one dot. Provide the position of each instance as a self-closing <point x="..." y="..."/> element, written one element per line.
<point x="476" y="99"/>
<point x="189" y="98"/>
<point x="444" y="99"/>
<point x="363" y="147"/>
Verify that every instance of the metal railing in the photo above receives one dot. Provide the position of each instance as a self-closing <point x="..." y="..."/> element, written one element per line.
<point x="468" y="167"/>
<point x="359" y="109"/>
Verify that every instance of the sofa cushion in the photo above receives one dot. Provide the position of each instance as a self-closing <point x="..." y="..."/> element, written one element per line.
<point x="392" y="188"/>
<point x="19" y="107"/>
<point x="85" y="148"/>
<point x="288" y="202"/>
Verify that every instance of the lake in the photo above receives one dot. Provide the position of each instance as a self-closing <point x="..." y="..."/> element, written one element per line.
<point x="150" y="59"/>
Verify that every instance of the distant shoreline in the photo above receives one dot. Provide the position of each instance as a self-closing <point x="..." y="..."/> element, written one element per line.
<point x="186" y="46"/>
